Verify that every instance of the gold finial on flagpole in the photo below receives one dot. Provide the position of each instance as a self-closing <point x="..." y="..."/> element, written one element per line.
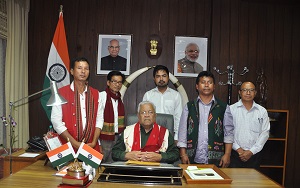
<point x="60" y="8"/>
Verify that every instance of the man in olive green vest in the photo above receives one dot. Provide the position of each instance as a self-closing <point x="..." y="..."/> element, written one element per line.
<point x="202" y="137"/>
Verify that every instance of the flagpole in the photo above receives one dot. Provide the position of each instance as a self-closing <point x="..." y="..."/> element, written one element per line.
<point x="60" y="8"/>
<point x="58" y="59"/>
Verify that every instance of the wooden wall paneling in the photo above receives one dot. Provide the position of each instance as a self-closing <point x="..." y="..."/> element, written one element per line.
<point x="181" y="10"/>
<point x="195" y="26"/>
<point x="153" y="22"/>
<point x="171" y="19"/>
<point x="99" y="14"/>
<point x="207" y="4"/>
<point x="191" y="16"/>
<point x="174" y="15"/>
<point x="86" y="40"/>
<point x="215" y="58"/>
<point x="243" y="51"/>
<point x="225" y="33"/>
<point x="286" y="59"/>
<point x="169" y="47"/>
<point x="166" y="57"/>
<point x="142" y="16"/>
<point x="142" y="19"/>
<point x="233" y="42"/>
<point x="127" y="14"/>
<point x="240" y="32"/>
<point x="128" y="25"/>
<point x="91" y="43"/>
<point x="250" y="40"/>
<point x="224" y="49"/>
<point x="145" y="79"/>
<point x="259" y="25"/>
<point x="200" y="18"/>
<point x="71" y="13"/>
<point x="118" y="15"/>
<point x="278" y="55"/>
<point x="234" y="29"/>
<point x="40" y="38"/>
<point x="206" y="7"/>
<point x="80" y="29"/>
<point x="293" y="153"/>
<point x="103" y="14"/>
<point x="109" y="16"/>
<point x="269" y="53"/>
<point x="256" y="46"/>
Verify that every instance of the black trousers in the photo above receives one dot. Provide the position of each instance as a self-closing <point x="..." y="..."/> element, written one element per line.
<point x="253" y="162"/>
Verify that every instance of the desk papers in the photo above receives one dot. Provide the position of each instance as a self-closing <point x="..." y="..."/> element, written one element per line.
<point x="202" y="173"/>
<point x="29" y="155"/>
<point x="131" y="162"/>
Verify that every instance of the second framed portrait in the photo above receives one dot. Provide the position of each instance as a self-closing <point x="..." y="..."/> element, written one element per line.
<point x="190" y="56"/>
<point x="114" y="53"/>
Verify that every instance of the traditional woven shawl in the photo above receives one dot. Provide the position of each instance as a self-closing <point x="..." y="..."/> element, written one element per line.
<point x="154" y="141"/>
<point x="108" y="130"/>
<point x="87" y="132"/>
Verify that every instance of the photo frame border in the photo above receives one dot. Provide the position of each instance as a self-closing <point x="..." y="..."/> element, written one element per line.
<point x="179" y="52"/>
<point x="102" y="47"/>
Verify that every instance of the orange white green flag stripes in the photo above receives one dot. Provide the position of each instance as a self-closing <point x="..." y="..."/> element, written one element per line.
<point x="58" y="63"/>
<point x="88" y="155"/>
<point x="62" y="154"/>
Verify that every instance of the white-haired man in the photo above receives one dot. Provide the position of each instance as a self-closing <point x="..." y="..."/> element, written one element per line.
<point x="188" y="64"/>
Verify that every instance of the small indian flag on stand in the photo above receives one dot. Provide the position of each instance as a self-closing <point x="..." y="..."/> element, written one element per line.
<point x="89" y="155"/>
<point x="61" y="154"/>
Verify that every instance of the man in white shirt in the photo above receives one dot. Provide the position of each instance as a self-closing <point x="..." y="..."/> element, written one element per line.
<point x="78" y="120"/>
<point x="112" y="118"/>
<point x="251" y="128"/>
<point x="166" y="100"/>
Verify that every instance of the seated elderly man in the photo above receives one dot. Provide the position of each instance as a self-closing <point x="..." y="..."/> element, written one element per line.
<point x="145" y="140"/>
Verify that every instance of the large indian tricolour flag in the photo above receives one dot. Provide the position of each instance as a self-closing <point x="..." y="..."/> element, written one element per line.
<point x="58" y="64"/>
<point x="62" y="154"/>
<point x="89" y="155"/>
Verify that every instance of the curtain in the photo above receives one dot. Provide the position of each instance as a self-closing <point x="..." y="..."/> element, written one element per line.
<point x="16" y="69"/>
<point x="2" y="90"/>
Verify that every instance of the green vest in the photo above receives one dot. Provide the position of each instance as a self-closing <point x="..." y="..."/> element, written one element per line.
<point x="215" y="131"/>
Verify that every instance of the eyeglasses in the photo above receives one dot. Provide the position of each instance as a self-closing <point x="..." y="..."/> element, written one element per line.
<point x="145" y="112"/>
<point x="191" y="51"/>
<point x="114" y="47"/>
<point x="248" y="90"/>
<point x="116" y="82"/>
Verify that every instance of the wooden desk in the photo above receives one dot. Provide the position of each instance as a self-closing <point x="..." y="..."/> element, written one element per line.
<point x="19" y="163"/>
<point x="38" y="175"/>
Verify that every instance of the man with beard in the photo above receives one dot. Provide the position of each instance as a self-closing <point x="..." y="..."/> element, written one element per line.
<point x="166" y="100"/>
<point x="112" y="118"/>
<point x="188" y="64"/>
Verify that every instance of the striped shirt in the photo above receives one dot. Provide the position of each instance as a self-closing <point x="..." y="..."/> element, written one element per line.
<point x="251" y="128"/>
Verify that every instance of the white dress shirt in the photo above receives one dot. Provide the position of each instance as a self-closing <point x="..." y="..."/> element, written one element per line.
<point x="169" y="102"/>
<point x="56" y="114"/>
<point x="251" y="128"/>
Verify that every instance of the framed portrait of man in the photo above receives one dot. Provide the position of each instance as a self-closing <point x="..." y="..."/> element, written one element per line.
<point x="190" y="56"/>
<point x="114" y="53"/>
